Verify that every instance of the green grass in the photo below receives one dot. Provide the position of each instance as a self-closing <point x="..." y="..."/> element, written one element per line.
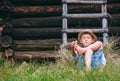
<point x="63" y="70"/>
<point x="56" y="72"/>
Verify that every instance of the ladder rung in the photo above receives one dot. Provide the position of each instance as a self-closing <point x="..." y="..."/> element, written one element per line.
<point x="80" y="30"/>
<point x="86" y="1"/>
<point x="95" y="15"/>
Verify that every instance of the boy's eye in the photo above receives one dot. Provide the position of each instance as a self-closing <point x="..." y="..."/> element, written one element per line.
<point x="88" y="37"/>
<point x="84" y="37"/>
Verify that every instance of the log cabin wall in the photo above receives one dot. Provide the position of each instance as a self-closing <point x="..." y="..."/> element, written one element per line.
<point x="35" y="25"/>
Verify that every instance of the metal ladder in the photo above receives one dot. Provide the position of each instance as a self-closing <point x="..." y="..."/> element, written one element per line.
<point x="66" y="15"/>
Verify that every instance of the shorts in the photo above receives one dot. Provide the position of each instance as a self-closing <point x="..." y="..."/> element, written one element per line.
<point x="98" y="58"/>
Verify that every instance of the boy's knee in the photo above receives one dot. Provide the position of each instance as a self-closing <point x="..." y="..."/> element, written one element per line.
<point x="89" y="51"/>
<point x="88" y="54"/>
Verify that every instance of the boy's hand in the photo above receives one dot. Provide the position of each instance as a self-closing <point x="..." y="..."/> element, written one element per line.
<point x="74" y="44"/>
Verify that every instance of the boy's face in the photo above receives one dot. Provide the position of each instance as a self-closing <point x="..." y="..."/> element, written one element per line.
<point x="86" y="40"/>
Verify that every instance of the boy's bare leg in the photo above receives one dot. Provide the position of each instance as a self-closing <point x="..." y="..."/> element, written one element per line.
<point x="101" y="67"/>
<point x="88" y="59"/>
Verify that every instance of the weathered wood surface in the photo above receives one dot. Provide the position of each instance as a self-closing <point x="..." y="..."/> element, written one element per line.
<point x="35" y="33"/>
<point x="35" y="2"/>
<point x="51" y="44"/>
<point x="45" y="2"/>
<point x="56" y="22"/>
<point x="5" y="41"/>
<point x="7" y="29"/>
<point x="46" y="11"/>
<point x="38" y="22"/>
<point x="40" y="56"/>
<point x="27" y="45"/>
<point x="1" y="49"/>
<point x="38" y="45"/>
<point x="45" y="33"/>
<point x="1" y="28"/>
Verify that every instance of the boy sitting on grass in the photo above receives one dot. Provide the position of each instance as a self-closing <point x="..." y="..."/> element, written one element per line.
<point x="90" y="53"/>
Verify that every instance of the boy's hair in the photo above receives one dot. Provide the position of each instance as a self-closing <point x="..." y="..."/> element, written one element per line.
<point x="87" y="32"/>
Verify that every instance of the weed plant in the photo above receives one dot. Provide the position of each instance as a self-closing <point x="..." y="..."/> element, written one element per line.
<point x="64" y="69"/>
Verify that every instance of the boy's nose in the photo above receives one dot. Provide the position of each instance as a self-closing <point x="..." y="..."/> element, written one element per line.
<point x="85" y="39"/>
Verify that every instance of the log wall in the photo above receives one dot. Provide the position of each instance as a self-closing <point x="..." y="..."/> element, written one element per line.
<point x="37" y="24"/>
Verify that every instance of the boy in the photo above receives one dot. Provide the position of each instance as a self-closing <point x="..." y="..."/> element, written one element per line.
<point x="91" y="53"/>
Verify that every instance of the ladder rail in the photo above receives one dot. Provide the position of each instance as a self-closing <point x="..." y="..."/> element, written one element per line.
<point x="80" y="30"/>
<point x="102" y="15"/>
<point x="94" y="15"/>
<point x="104" y="23"/>
<point x="64" y="21"/>
<point x="85" y="1"/>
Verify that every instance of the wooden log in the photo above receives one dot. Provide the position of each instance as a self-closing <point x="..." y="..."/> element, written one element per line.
<point x="114" y="31"/>
<point x="35" y="11"/>
<point x="37" y="22"/>
<point x="35" y="2"/>
<point x="44" y="33"/>
<point x="51" y="44"/>
<point x="112" y="1"/>
<point x="46" y="11"/>
<point x="7" y="29"/>
<point x="1" y="28"/>
<point x="40" y="56"/>
<point x="35" y="33"/>
<point x="53" y="22"/>
<point x="37" y="45"/>
<point x="45" y="2"/>
<point x="8" y="53"/>
<point x="6" y="41"/>
<point x="1" y="49"/>
<point x="28" y="45"/>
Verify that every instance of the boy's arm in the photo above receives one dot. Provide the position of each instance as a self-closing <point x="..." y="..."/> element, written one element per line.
<point x="73" y="52"/>
<point x="73" y="45"/>
<point x="95" y="46"/>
